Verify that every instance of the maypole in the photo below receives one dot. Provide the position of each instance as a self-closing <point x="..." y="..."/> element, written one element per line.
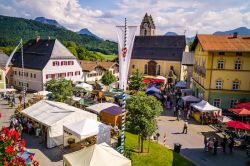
<point x="24" y="83"/>
<point x="126" y="35"/>
<point x="124" y="52"/>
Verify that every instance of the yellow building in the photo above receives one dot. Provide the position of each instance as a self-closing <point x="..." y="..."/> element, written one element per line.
<point x="222" y="69"/>
<point x="156" y="55"/>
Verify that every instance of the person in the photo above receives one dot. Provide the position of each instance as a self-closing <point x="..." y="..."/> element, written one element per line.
<point x="224" y="143"/>
<point x="210" y="145"/>
<point x="231" y="144"/>
<point x="29" y="126"/>
<point x="215" y="145"/>
<point x="185" y="127"/>
<point x="178" y="114"/>
<point x="205" y="143"/>
<point x="174" y="109"/>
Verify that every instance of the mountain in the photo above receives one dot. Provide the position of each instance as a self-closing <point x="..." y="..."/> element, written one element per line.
<point x="240" y="31"/>
<point x="85" y="31"/>
<point x="171" y="34"/>
<point x="48" y="21"/>
<point x="12" y="29"/>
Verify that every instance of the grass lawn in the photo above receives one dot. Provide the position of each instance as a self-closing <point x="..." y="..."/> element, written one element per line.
<point x="158" y="155"/>
<point x="107" y="57"/>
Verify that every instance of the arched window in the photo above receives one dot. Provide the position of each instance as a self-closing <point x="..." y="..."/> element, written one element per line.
<point x="236" y="85"/>
<point x="220" y="64"/>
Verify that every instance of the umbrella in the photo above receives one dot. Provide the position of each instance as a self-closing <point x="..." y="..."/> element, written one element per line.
<point x="181" y="84"/>
<point x="152" y="90"/>
<point x="240" y="111"/>
<point x="238" y="125"/>
<point x="26" y="156"/>
<point x="244" y="105"/>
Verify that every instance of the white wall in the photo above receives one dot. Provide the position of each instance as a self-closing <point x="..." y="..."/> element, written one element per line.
<point x="32" y="83"/>
<point x="50" y="69"/>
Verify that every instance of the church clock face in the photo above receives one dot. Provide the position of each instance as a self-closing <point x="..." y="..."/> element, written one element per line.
<point x="145" y="25"/>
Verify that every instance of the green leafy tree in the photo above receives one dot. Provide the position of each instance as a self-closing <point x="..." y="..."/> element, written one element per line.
<point x="141" y="117"/>
<point x="136" y="81"/>
<point x="108" y="78"/>
<point x="60" y="88"/>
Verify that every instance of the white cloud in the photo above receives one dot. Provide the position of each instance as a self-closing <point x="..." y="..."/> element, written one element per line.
<point x="204" y="16"/>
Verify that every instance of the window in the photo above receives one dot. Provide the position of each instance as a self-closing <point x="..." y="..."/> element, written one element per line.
<point x="221" y="53"/>
<point x="70" y="73"/>
<point x="158" y="70"/>
<point x="47" y="76"/>
<point x="56" y="63"/>
<point x="238" y="53"/>
<point x="233" y="103"/>
<point x="15" y="73"/>
<point x="31" y="75"/>
<point x="70" y="62"/>
<point x="218" y="84"/>
<point x="145" y="69"/>
<point x="133" y="66"/>
<point x="237" y="65"/>
<point x="77" y="73"/>
<point x="217" y="102"/>
<point x="19" y="73"/>
<point x="34" y="75"/>
<point x="220" y="64"/>
<point x="236" y="85"/>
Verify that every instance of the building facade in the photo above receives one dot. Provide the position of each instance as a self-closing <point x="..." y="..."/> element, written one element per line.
<point x="222" y="69"/>
<point x="44" y="59"/>
<point x="156" y="55"/>
<point x="93" y="71"/>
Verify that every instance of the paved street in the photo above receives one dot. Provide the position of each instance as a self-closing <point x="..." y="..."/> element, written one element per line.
<point x="192" y="143"/>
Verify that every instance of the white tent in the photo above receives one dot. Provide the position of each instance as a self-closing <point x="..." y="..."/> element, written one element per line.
<point x="204" y="106"/>
<point x="96" y="155"/>
<point x="85" y="86"/>
<point x="42" y="93"/>
<point x="54" y="115"/>
<point x="97" y="108"/>
<point x="88" y="128"/>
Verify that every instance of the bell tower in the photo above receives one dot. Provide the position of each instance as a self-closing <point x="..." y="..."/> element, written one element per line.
<point x="147" y="27"/>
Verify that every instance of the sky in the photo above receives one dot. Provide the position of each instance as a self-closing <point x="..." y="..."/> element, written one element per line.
<point x="101" y="16"/>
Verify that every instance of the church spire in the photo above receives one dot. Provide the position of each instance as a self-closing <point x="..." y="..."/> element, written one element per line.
<point x="147" y="27"/>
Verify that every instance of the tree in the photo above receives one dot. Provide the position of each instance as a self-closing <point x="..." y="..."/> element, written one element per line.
<point x="136" y="81"/>
<point x="141" y="117"/>
<point x="108" y="78"/>
<point x="60" y="88"/>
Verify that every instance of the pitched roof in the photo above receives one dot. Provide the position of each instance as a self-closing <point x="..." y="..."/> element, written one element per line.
<point x="159" y="47"/>
<point x="3" y="59"/>
<point x="106" y="65"/>
<point x="223" y="43"/>
<point x="91" y="65"/>
<point x="37" y="53"/>
<point x="188" y="58"/>
<point x="88" y="65"/>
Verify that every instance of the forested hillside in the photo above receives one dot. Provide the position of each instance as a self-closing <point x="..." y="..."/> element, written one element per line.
<point x="12" y="29"/>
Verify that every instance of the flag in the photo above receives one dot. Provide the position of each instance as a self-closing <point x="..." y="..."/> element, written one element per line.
<point x="11" y="55"/>
<point x="125" y="46"/>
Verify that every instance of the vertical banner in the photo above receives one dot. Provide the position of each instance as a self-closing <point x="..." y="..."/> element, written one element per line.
<point x="125" y="46"/>
<point x="126" y="35"/>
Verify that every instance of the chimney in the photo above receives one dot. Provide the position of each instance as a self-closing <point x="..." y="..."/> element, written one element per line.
<point x="37" y="39"/>
<point x="235" y="35"/>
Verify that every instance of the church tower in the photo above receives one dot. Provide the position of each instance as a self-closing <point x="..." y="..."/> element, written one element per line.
<point x="147" y="27"/>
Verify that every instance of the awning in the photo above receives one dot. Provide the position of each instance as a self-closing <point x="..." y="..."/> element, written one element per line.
<point x="85" y="86"/>
<point x="204" y="106"/>
<point x="243" y="105"/>
<point x="238" y="125"/>
<point x="240" y="111"/>
<point x="190" y="99"/>
<point x="97" y="108"/>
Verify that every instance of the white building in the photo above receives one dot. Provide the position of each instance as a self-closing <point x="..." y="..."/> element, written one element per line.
<point x="93" y="71"/>
<point x="44" y="59"/>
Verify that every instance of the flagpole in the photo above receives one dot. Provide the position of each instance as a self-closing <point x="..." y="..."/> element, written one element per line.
<point x="123" y="94"/>
<point x="24" y="84"/>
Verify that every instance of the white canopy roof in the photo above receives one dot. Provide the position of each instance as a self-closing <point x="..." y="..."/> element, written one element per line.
<point x="97" y="108"/>
<point x="8" y="90"/>
<point x="204" y="106"/>
<point x="42" y="93"/>
<point x="50" y="112"/>
<point x="96" y="155"/>
<point x="85" y="128"/>
<point x="85" y="86"/>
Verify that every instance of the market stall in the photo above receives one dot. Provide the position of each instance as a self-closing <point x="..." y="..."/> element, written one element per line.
<point x="241" y="112"/>
<point x="243" y="105"/>
<point x="97" y="108"/>
<point x="96" y="155"/>
<point x="45" y="94"/>
<point x="85" y="86"/>
<point x="205" y="113"/>
<point x="86" y="128"/>
<point x="112" y="115"/>
<point x="51" y="116"/>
